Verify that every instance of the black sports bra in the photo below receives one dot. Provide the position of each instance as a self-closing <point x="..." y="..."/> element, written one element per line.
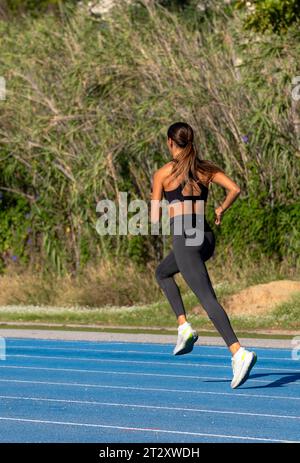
<point x="177" y="195"/>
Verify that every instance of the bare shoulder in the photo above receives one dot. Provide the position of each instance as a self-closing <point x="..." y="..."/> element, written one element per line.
<point x="204" y="179"/>
<point x="163" y="171"/>
<point x="222" y="179"/>
<point x="210" y="177"/>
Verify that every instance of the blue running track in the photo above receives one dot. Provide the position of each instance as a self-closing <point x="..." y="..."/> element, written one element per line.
<point x="83" y="391"/>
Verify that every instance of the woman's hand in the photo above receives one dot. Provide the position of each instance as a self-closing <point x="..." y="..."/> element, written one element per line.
<point x="233" y="191"/>
<point x="218" y="211"/>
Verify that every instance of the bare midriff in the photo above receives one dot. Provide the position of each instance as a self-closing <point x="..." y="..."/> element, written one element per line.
<point x="186" y="207"/>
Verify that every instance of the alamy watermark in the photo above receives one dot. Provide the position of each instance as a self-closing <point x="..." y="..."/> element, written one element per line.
<point x="296" y="88"/>
<point x="2" y="88"/>
<point x="133" y="217"/>
<point x="296" y="348"/>
<point x="2" y="349"/>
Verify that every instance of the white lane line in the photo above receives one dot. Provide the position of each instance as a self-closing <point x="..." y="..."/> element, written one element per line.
<point x="113" y="372"/>
<point x="109" y="351"/>
<point x="146" y="362"/>
<point x="127" y="343"/>
<point x="151" y="407"/>
<point x="127" y="428"/>
<point x="137" y="388"/>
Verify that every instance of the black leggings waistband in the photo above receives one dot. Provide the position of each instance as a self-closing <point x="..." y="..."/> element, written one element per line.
<point x="187" y="221"/>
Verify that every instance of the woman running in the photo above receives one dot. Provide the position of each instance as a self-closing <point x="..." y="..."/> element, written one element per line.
<point x="184" y="182"/>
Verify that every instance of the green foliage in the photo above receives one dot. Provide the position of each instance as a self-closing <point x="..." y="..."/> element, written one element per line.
<point x="33" y="6"/>
<point x="288" y="313"/>
<point x="175" y="4"/>
<point x="137" y="248"/>
<point x="271" y="15"/>
<point x="87" y="112"/>
<point x="15" y="230"/>
<point x="250" y="227"/>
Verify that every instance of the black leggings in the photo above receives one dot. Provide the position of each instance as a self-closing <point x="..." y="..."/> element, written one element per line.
<point x="189" y="261"/>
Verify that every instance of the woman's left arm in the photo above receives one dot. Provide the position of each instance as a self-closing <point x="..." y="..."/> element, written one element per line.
<point x="156" y="196"/>
<point x="233" y="191"/>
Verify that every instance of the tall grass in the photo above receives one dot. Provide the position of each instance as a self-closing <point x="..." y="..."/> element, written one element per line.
<point x="110" y="283"/>
<point x="87" y="109"/>
<point x="118" y="282"/>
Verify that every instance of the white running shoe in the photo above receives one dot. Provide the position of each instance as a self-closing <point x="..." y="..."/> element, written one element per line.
<point x="186" y="340"/>
<point x="242" y="363"/>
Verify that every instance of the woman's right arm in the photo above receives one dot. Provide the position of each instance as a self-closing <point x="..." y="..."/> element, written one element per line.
<point x="233" y="191"/>
<point x="156" y="195"/>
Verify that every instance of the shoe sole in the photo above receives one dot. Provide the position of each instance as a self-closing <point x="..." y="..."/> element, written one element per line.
<point x="253" y="362"/>
<point x="189" y="345"/>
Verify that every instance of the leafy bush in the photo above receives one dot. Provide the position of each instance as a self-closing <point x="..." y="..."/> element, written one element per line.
<point x="87" y="110"/>
<point x="271" y="15"/>
<point x="250" y="227"/>
<point x="33" y="6"/>
<point x="15" y="231"/>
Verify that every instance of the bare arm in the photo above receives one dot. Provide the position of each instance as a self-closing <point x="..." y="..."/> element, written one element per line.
<point x="233" y="191"/>
<point x="156" y="196"/>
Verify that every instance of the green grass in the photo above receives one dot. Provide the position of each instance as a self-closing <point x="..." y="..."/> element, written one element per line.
<point x="285" y="316"/>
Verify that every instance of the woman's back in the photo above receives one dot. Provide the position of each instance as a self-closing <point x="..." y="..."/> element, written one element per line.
<point x="183" y="197"/>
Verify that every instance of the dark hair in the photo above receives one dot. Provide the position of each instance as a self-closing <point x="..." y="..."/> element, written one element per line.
<point x="187" y="162"/>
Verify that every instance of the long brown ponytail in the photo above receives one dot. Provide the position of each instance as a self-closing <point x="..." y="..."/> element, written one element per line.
<point x="188" y="163"/>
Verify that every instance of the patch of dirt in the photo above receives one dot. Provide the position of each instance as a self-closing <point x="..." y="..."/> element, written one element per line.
<point x="258" y="299"/>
